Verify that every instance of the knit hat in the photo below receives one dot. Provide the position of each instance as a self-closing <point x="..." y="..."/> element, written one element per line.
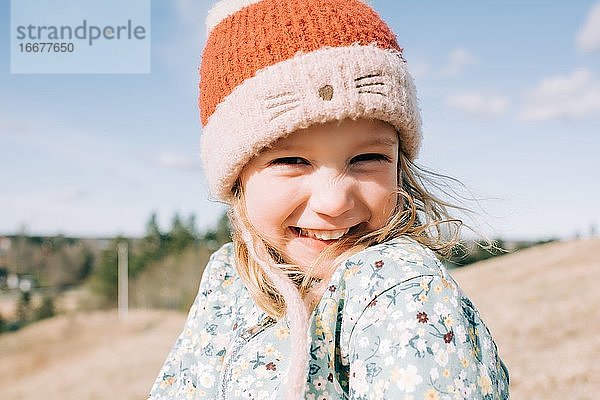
<point x="271" y="67"/>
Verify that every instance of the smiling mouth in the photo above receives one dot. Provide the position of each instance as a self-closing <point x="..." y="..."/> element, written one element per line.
<point x="320" y="234"/>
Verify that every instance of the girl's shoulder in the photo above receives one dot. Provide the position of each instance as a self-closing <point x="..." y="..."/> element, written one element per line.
<point x="220" y="270"/>
<point x="398" y="269"/>
<point x="392" y="262"/>
<point x="402" y="315"/>
<point x="223" y="254"/>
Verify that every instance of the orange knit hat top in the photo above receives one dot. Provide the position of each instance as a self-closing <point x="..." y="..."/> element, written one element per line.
<point x="271" y="31"/>
<point x="271" y="67"/>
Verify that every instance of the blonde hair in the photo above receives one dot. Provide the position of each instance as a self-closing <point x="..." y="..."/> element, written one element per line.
<point x="419" y="214"/>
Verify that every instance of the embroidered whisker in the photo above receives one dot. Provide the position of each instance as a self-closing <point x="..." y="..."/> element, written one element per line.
<point x="277" y="96"/>
<point x="367" y="76"/>
<point x="370" y="84"/>
<point x="281" y="112"/>
<point x="372" y="92"/>
<point x="283" y="103"/>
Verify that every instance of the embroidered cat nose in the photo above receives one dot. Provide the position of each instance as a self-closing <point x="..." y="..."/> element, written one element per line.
<point x="326" y="92"/>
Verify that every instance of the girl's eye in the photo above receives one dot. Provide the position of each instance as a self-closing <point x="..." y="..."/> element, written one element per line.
<point x="289" y="161"/>
<point x="370" y="157"/>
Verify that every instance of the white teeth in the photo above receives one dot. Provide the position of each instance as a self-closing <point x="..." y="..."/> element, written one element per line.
<point x="324" y="235"/>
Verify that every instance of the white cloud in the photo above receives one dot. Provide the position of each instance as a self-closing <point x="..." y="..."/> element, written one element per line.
<point x="177" y="162"/>
<point x="479" y="105"/>
<point x="589" y="35"/>
<point x="563" y="96"/>
<point x="458" y="60"/>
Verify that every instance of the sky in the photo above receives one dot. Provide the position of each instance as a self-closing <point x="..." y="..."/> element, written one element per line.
<point x="509" y="93"/>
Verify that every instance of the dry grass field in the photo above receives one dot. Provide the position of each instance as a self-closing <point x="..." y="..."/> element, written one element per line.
<point x="541" y="305"/>
<point x="87" y="356"/>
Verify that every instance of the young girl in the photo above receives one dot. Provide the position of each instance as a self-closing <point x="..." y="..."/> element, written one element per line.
<point x="330" y="289"/>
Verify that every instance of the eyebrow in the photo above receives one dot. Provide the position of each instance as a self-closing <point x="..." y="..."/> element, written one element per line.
<point x="380" y="140"/>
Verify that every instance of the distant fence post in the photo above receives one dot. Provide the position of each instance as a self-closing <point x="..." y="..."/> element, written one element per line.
<point x="123" y="290"/>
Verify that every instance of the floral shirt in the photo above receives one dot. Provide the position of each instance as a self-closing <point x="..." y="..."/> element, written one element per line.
<point x="392" y="324"/>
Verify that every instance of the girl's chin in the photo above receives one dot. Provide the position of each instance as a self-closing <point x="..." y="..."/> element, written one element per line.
<point x="305" y="251"/>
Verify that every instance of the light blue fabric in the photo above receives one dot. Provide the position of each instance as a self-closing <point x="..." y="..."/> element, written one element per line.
<point x="392" y="324"/>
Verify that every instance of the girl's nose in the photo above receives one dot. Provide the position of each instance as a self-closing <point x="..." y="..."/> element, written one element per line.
<point x="332" y="197"/>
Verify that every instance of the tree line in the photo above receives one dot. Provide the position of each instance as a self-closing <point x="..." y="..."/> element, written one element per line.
<point x="154" y="246"/>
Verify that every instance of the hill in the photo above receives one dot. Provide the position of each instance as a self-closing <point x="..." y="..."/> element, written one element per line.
<point x="87" y="356"/>
<point x="540" y="304"/>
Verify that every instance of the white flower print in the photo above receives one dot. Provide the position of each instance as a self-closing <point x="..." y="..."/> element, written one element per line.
<point x="379" y="389"/>
<point x="207" y="380"/>
<point x="282" y="332"/>
<point x="460" y="333"/>
<point x="391" y="327"/>
<point x="384" y="346"/>
<point x="365" y="282"/>
<point x="411" y="305"/>
<point x="406" y="378"/>
<point x="441" y="357"/>
<point x="434" y="374"/>
<point x="363" y="342"/>
<point x="246" y="381"/>
<point x="396" y="315"/>
<point x="403" y="336"/>
<point x="269" y="349"/>
<point x="220" y="341"/>
<point x="441" y="309"/>
<point x="421" y="345"/>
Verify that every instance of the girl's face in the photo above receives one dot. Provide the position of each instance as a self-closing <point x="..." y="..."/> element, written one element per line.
<point x="313" y="187"/>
